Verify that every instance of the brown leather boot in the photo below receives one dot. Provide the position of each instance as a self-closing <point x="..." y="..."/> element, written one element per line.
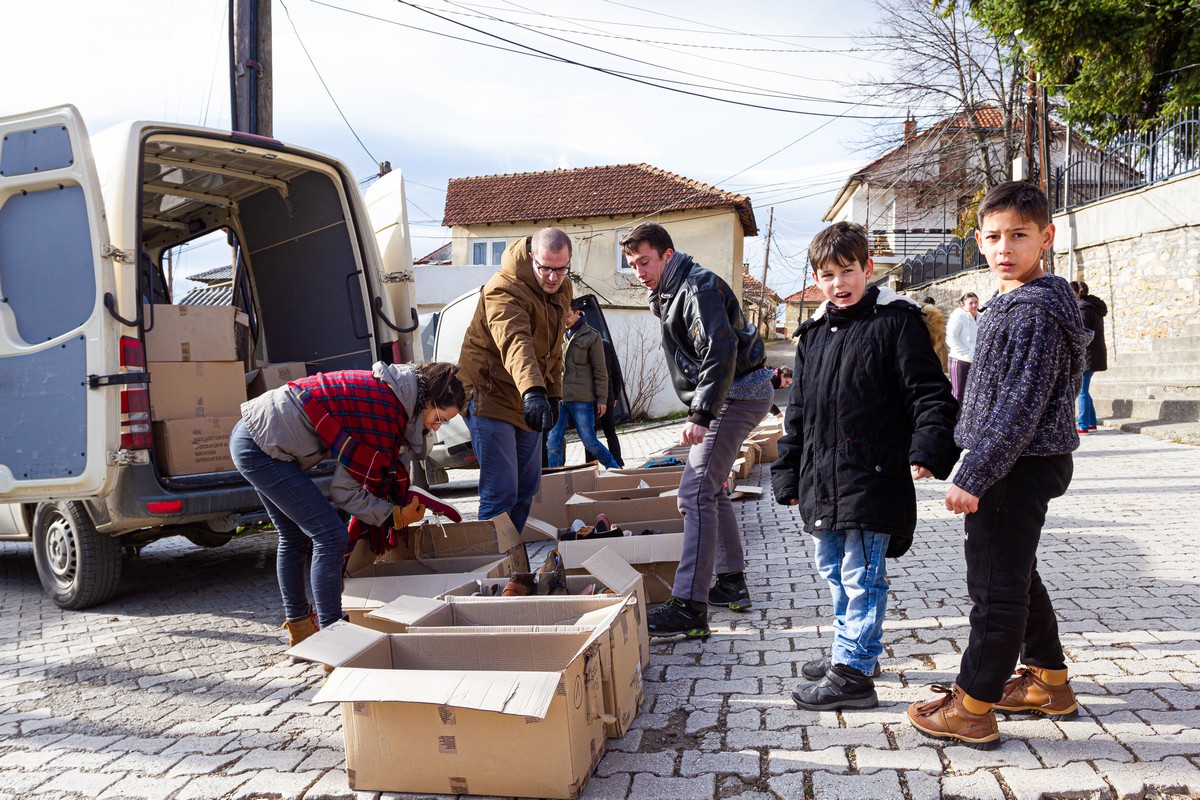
<point x="945" y="718"/>
<point x="1026" y="691"/>
<point x="300" y="629"/>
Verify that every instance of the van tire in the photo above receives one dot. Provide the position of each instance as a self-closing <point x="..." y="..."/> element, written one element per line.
<point x="78" y="566"/>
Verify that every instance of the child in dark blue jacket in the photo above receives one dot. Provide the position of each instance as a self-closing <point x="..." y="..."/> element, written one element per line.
<point x="870" y="411"/>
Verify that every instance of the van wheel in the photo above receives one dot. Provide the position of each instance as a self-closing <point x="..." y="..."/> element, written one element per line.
<point x="77" y="566"/>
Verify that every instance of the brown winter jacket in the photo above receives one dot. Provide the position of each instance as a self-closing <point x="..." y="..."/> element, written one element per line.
<point x="935" y="322"/>
<point x="514" y="342"/>
<point x="585" y="377"/>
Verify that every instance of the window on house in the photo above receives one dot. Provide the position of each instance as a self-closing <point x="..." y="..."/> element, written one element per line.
<point x="488" y="252"/>
<point x="622" y="262"/>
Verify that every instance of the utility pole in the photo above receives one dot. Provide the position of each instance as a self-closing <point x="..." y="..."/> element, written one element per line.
<point x="250" y="66"/>
<point x="762" y="298"/>
<point x="1044" y="157"/>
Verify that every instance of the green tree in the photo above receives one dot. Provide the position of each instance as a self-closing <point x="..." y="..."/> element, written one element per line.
<point x="1121" y="65"/>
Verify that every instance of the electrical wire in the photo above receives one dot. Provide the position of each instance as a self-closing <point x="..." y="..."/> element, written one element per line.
<point x="321" y="78"/>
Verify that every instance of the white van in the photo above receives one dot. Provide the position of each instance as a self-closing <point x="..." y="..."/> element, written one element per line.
<point x="85" y="228"/>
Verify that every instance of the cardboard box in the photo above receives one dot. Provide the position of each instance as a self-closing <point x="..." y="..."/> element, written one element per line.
<point x="196" y="333"/>
<point x="186" y="389"/>
<point x="272" y="376"/>
<point x="667" y="478"/>
<point x="193" y="446"/>
<point x="621" y="651"/>
<point x="508" y="714"/>
<point x="447" y="540"/>
<point x="605" y="567"/>
<point x="378" y="584"/>
<point x="557" y="486"/>
<point x="624" y="507"/>
<point x="656" y="557"/>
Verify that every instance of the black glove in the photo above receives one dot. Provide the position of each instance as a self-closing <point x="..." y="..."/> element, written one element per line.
<point x="554" y="401"/>
<point x="537" y="410"/>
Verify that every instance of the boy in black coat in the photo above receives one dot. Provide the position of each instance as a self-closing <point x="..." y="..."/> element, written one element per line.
<point x="870" y="411"/>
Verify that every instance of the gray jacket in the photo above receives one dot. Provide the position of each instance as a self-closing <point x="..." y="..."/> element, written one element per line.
<point x="278" y="425"/>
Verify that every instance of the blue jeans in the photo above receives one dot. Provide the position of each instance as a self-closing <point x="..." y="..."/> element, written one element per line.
<point x="305" y="521"/>
<point x="584" y="415"/>
<point x="510" y="467"/>
<point x="1087" y="410"/>
<point x="854" y="563"/>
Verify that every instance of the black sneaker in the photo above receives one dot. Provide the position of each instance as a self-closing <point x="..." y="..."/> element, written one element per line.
<point x="815" y="670"/>
<point x="730" y="591"/>
<point x="842" y="687"/>
<point x="678" y="616"/>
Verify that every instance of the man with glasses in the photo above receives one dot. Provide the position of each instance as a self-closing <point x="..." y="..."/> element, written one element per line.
<point x="512" y="369"/>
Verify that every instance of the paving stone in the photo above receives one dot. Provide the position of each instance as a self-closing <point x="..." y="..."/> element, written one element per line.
<point x="273" y="783"/>
<point x="1134" y="781"/>
<point x="657" y="763"/>
<point x="923" y="759"/>
<point x="614" y="787"/>
<point x="832" y="759"/>
<point x="745" y="762"/>
<point x="652" y="787"/>
<point x="140" y="786"/>
<point x="979" y="785"/>
<point x="1071" y="781"/>
<point x="1058" y="753"/>
<point x="206" y="787"/>
<point x="878" y="786"/>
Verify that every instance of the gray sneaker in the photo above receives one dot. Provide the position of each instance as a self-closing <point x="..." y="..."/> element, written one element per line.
<point x="815" y="670"/>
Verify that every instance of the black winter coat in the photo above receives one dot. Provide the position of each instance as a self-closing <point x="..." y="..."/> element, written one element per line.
<point x="1093" y="310"/>
<point x="707" y="341"/>
<point x="869" y="398"/>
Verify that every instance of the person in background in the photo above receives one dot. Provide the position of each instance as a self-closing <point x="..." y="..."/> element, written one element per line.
<point x="935" y="323"/>
<point x="960" y="336"/>
<point x="781" y="378"/>
<point x="715" y="359"/>
<point x="585" y="389"/>
<point x="363" y="420"/>
<point x="608" y="422"/>
<point x="512" y="370"/>
<point x="1093" y="310"/>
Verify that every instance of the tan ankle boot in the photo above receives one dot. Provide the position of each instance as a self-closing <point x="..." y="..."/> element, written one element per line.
<point x="1026" y="691"/>
<point x="947" y="718"/>
<point x="300" y="629"/>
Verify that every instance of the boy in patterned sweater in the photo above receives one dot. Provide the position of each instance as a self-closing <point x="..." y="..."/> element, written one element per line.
<point x="1018" y="424"/>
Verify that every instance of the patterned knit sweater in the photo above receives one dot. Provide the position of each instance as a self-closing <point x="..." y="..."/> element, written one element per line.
<point x="1021" y="390"/>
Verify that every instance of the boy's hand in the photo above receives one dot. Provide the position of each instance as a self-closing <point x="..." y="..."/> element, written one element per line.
<point x="692" y="433"/>
<point x="919" y="472"/>
<point x="960" y="501"/>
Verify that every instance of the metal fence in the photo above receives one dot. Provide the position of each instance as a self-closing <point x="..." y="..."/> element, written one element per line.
<point x="1131" y="162"/>
<point x="951" y="258"/>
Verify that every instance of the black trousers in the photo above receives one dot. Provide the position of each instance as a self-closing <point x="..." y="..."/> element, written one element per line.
<point x="1012" y="618"/>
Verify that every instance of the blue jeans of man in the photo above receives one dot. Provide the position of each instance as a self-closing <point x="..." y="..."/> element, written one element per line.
<point x="305" y="521"/>
<point x="1086" y="418"/>
<point x="510" y="468"/>
<point x="854" y="564"/>
<point x="584" y="416"/>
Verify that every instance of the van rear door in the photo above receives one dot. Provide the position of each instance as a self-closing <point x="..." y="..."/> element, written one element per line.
<point x="55" y="430"/>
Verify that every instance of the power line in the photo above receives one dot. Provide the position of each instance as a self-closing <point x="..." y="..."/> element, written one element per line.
<point x="321" y="78"/>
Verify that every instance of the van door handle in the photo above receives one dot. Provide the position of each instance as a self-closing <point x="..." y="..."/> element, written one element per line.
<point x="350" y="303"/>
<point x="379" y="313"/>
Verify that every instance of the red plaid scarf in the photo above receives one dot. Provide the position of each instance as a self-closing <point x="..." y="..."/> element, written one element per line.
<point x="361" y="421"/>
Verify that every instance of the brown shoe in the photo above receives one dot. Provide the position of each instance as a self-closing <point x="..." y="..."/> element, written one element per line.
<point x="1025" y="691"/>
<point x="945" y="718"/>
<point x="300" y="629"/>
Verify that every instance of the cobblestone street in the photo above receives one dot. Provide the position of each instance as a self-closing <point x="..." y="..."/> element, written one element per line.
<point x="178" y="689"/>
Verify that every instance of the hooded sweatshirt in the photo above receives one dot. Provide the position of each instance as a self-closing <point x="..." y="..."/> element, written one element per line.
<point x="1021" y="390"/>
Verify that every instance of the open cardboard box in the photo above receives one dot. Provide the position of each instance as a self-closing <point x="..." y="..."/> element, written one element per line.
<point x="373" y="586"/>
<point x="507" y="713"/>
<point x="605" y="567"/>
<point x="452" y="539"/>
<point x="621" y="649"/>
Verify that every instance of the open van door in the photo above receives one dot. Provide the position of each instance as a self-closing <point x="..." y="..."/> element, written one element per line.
<point x="60" y="417"/>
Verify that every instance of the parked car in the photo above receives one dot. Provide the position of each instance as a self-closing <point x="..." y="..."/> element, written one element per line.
<point x="450" y="447"/>
<point x="85" y="228"/>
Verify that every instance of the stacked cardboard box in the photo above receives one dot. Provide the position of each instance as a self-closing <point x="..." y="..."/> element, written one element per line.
<point x="195" y="356"/>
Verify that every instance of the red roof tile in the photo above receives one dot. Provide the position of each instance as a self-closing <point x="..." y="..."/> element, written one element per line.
<point x="809" y="295"/>
<point x="586" y="192"/>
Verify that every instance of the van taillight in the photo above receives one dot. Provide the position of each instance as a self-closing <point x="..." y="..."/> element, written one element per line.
<point x="135" y="399"/>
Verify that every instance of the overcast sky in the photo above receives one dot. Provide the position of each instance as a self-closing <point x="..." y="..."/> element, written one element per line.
<point x="438" y="107"/>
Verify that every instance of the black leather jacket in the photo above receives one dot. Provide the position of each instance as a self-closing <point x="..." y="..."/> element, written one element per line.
<point x="707" y="341"/>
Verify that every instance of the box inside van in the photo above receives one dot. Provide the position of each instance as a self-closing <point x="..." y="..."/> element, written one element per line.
<point x="117" y="395"/>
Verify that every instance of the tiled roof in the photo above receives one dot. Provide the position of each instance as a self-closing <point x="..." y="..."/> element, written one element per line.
<point x="812" y="294"/>
<point x="752" y="287"/>
<point x="215" y="275"/>
<point x="586" y="192"/>
<point x="439" y="256"/>
<point x="209" y="296"/>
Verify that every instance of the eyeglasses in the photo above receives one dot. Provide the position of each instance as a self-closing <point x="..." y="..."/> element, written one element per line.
<point x="437" y="418"/>
<point x="548" y="271"/>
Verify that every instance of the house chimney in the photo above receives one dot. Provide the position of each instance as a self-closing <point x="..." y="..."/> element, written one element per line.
<point x="910" y="127"/>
